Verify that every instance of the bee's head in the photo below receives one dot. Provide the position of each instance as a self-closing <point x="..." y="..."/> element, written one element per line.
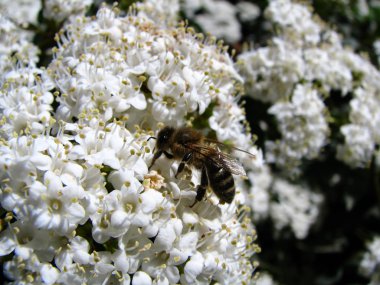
<point x="164" y="137"/>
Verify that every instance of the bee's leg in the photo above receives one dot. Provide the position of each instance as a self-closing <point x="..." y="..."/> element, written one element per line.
<point x="185" y="159"/>
<point x="168" y="155"/>
<point x="157" y="155"/>
<point x="201" y="190"/>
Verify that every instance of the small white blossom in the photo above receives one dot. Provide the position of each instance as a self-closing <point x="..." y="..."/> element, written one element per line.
<point x="153" y="180"/>
<point x="76" y="251"/>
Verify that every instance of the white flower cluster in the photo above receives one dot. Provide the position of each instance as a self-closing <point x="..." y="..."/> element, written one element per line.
<point x="295" y="21"/>
<point x="363" y="133"/>
<point x="25" y="102"/>
<point x="297" y="207"/>
<point x="306" y="59"/>
<point x="288" y="205"/>
<point x="15" y="46"/>
<point x="220" y="17"/>
<point x="60" y="10"/>
<point x="164" y="12"/>
<point x="260" y="198"/>
<point x="370" y="264"/>
<point x="302" y="126"/>
<point x="81" y="204"/>
<point x="21" y="12"/>
<point x="109" y="63"/>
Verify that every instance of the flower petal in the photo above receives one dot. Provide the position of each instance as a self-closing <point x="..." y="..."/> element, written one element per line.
<point x="141" y="278"/>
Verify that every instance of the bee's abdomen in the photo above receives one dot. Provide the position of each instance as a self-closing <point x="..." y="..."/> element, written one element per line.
<point x="221" y="182"/>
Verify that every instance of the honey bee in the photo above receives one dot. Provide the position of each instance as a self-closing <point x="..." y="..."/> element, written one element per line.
<point x="192" y="148"/>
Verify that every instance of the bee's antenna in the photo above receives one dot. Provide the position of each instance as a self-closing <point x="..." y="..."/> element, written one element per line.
<point x="151" y="138"/>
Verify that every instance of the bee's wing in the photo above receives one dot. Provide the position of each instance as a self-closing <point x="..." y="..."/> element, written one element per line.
<point x="232" y="164"/>
<point x="223" y="145"/>
<point x="219" y="158"/>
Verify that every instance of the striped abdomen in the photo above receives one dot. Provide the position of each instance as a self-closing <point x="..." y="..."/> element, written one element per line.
<point x="221" y="182"/>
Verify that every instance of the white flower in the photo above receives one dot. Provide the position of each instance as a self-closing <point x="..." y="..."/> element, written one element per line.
<point x="362" y="135"/>
<point x="141" y="278"/>
<point x="303" y="127"/>
<point x="271" y="72"/>
<point x="218" y="18"/>
<point x="52" y="203"/>
<point x="295" y="20"/>
<point x="76" y="251"/>
<point x="369" y="265"/>
<point x="297" y="207"/>
<point x="25" y="240"/>
<point x="153" y="180"/>
<point x="134" y="247"/>
<point x="161" y="11"/>
<point x="247" y="10"/>
<point x="326" y="65"/>
<point x="125" y="208"/>
<point x="226" y="121"/>
<point x="15" y="46"/>
<point x="260" y="192"/>
<point x="358" y="147"/>
<point x="59" y="10"/>
<point x="22" y="12"/>
<point x="57" y="209"/>
<point x="25" y="102"/>
<point x="265" y="279"/>
<point x="49" y="274"/>
<point x="31" y="271"/>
